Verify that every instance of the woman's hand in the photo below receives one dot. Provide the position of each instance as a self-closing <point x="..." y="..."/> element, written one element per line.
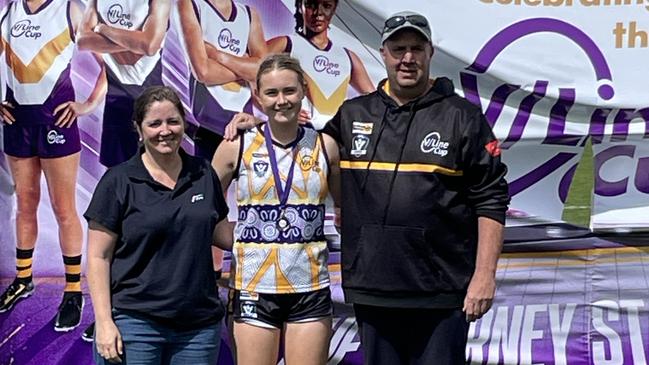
<point x="69" y="111"/>
<point x="109" y="341"/>
<point x="5" y="114"/>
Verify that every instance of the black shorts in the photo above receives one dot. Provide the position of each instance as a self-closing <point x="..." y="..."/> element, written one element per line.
<point x="273" y="310"/>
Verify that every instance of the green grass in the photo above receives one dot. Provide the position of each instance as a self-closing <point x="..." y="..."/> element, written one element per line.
<point x="578" y="204"/>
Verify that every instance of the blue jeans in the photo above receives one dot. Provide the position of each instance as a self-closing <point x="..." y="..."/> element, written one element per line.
<point x="147" y="342"/>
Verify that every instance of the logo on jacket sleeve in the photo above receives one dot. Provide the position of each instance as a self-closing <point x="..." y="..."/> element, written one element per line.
<point x="359" y="145"/>
<point x="433" y="143"/>
<point x="362" y="127"/>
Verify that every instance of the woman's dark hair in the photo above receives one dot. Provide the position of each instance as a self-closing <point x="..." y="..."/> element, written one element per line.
<point x="151" y="95"/>
<point x="281" y="61"/>
<point x="299" y="17"/>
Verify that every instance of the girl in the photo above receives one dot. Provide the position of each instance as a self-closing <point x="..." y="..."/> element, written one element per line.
<point x="279" y="277"/>
<point x="41" y="135"/>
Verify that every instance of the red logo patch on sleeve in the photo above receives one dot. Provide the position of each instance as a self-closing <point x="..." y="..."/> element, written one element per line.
<point x="492" y="148"/>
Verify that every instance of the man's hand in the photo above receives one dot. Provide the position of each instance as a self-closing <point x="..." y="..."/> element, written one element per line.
<point x="304" y="117"/>
<point x="240" y="121"/>
<point x="479" y="296"/>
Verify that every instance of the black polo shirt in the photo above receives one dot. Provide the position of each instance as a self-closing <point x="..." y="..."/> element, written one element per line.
<point x="162" y="264"/>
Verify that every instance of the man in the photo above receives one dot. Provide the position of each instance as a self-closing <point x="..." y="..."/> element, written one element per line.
<point x="423" y="206"/>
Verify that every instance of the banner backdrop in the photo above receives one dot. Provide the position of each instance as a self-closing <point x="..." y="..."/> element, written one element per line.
<point x="549" y="74"/>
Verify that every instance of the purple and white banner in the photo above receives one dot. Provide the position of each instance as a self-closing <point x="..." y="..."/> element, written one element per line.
<point x="549" y="75"/>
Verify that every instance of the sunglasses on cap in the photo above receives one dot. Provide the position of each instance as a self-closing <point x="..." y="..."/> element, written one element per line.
<point x="397" y="21"/>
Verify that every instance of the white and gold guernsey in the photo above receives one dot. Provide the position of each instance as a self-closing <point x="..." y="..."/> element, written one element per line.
<point x="214" y="106"/>
<point x="267" y="258"/>
<point x="328" y="73"/>
<point x="128" y="15"/>
<point x="38" y="48"/>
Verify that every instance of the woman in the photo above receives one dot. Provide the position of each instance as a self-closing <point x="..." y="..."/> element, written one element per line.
<point x="224" y="41"/>
<point x="221" y="71"/>
<point x="129" y="35"/>
<point x="41" y="135"/>
<point x="330" y="68"/>
<point x="279" y="271"/>
<point x="151" y="224"/>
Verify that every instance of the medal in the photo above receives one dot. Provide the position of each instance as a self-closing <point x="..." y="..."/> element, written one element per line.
<point x="282" y="222"/>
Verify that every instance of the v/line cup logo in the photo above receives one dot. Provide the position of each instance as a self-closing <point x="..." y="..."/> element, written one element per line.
<point x="24" y="28"/>
<point x="228" y="42"/>
<point x="53" y="137"/>
<point x="323" y="64"/>
<point x="555" y="134"/>
<point x="116" y="15"/>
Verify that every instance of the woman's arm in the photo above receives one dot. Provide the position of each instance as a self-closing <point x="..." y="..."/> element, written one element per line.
<point x="86" y="38"/>
<point x="246" y="67"/>
<point x="72" y="109"/>
<point x="101" y="246"/>
<point x="277" y="44"/>
<point x="206" y="70"/>
<point x="223" y="235"/>
<point x="360" y="80"/>
<point x="147" y="41"/>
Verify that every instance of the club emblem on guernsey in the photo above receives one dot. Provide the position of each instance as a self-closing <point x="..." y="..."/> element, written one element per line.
<point x="359" y="145"/>
<point x="433" y="143"/>
<point x="307" y="163"/>
<point x="260" y="167"/>
<point x="53" y="137"/>
<point x="248" y="309"/>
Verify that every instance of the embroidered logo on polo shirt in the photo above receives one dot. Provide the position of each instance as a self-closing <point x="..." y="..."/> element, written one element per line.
<point x="359" y="145"/>
<point x="197" y="198"/>
<point x="433" y="143"/>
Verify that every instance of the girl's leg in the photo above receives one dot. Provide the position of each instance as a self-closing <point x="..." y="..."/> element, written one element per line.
<point x="307" y="342"/>
<point x="61" y="176"/>
<point x="26" y="173"/>
<point x="256" y="345"/>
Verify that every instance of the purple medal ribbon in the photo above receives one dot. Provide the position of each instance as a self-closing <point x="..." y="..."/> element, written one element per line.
<point x="282" y="193"/>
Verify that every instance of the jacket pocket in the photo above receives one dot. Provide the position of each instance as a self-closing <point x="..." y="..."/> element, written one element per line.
<point x="395" y="258"/>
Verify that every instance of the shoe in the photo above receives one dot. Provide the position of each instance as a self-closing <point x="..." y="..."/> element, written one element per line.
<point x="88" y="334"/>
<point x="69" y="315"/>
<point x="16" y="291"/>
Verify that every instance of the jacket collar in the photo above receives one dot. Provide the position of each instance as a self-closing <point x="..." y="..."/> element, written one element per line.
<point x="442" y="88"/>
